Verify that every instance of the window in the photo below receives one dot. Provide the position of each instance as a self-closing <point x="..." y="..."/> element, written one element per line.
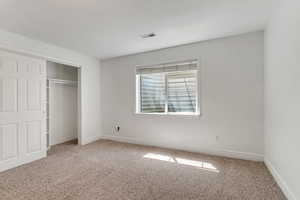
<point x="167" y="88"/>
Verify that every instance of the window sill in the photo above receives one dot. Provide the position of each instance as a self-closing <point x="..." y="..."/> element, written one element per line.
<point x="170" y="114"/>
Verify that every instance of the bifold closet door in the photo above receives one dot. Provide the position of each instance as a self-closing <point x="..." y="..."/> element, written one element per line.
<point x="22" y="109"/>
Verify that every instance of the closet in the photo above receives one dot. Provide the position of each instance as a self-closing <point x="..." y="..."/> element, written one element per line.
<point x="62" y="103"/>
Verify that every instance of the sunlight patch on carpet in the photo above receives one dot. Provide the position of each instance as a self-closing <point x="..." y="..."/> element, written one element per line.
<point x="182" y="161"/>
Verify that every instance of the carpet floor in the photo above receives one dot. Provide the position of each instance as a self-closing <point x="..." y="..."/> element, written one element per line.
<point x="107" y="170"/>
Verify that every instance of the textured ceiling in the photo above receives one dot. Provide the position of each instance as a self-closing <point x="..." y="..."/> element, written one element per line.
<point x="109" y="28"/>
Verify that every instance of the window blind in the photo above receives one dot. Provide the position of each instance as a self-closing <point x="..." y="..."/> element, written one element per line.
<point x="182" y="92"/>
<point x="170" y="67"/>
<point x="168" y="88"/>
<point x="152" y="93"/>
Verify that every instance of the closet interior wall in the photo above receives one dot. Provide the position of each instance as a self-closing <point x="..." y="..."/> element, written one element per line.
<point x="62" y="123"/>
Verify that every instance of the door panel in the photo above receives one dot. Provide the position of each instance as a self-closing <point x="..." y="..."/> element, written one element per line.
<point x="34" y="68"/>
<point x="9" y="141"/>
<point x="8" y="95"/>
<point x="22" y="109"/>
<point x="33" y="133"/>
<point x="33" y="95"/>
<point x="8" y="65"/>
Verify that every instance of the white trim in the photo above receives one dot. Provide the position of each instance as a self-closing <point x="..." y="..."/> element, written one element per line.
<point x="90" y="140"/>
<point x="79" y="106"/>
<point x="137" y="95"/>
<point x="166" y="94"/>
<point x="178" y="114"/>
<point x="217" y="152"/>
<point x="280" y="181"/>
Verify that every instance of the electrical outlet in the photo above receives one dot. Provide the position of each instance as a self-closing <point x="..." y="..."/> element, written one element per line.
<point x="117" y="128"/>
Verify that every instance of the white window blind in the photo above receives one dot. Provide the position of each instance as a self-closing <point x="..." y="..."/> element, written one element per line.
<point x="152" y="93"/>
<point x="171" y="67"/>
<point x="168" y="88"/>
<point x="182" y="91"/>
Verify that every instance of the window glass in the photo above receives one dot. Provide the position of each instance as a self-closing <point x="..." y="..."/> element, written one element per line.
<point x="152" y="93"/>
<point x="182" y="91"/>
<point x="170" y="88"/>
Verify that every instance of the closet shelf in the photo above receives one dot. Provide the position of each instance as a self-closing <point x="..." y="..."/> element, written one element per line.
<point x="62" y="81"/>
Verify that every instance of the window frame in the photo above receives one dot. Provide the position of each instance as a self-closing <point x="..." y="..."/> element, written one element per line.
<point x="137" y="110"/>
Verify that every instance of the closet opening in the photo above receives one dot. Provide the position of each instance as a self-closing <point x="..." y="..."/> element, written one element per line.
<point x="62" y="105"/>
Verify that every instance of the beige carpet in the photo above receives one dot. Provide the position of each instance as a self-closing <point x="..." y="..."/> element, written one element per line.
<point x="110" y="170"/>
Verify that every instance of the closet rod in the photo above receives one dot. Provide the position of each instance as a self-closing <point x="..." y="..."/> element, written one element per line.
<point x="64" y="82"/>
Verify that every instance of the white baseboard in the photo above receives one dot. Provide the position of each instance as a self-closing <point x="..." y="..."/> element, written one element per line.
<point x="67" y="139"/>
<point x="90" y="140"/>
<point x="217" y="152"/>
<point x="280" y="181"/>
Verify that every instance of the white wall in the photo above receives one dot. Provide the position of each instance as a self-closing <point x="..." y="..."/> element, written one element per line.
<point x="282" y="97"/>
<point x="90" y="77"/>
<point x="62" y="113"/>
<point x="231" y="99"/>
<point x="60" y="71"/>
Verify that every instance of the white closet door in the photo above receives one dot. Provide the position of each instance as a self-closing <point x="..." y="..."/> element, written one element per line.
<point x="22" y="109"/>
